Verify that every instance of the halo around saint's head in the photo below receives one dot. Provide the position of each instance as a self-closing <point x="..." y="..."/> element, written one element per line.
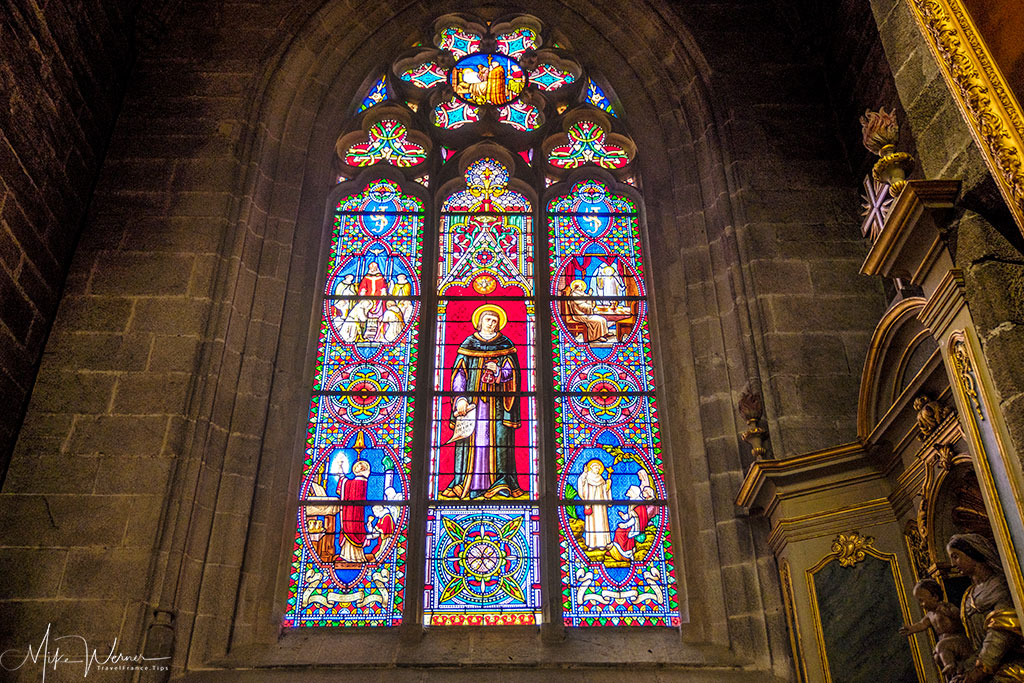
<point x="490" y="308"/>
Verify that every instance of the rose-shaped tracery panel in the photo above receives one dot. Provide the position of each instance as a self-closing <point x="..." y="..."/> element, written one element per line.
<point x="588" y="140"/>
<point x="496" y="74"/>
<point x="386" y="137"/>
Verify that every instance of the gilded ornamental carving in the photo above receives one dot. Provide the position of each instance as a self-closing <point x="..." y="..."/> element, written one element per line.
<point x="989" y="108"/>
<point x="850" y="548"/>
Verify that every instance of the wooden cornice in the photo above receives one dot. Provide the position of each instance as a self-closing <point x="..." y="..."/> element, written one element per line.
<point x="794" y="471"/>
<point x="917" y="196"/>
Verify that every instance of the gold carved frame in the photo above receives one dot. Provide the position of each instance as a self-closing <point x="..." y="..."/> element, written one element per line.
<point x="979" y="88"/>
<point x="974" y="395"/>
<point x="848" y="550"/>
<point x="789" y="604"/>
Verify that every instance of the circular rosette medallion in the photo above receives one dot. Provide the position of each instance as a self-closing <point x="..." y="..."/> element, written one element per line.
<point x="367" y="396"/>
<point x="494" y="79"/>
<point x="608" y="394"/>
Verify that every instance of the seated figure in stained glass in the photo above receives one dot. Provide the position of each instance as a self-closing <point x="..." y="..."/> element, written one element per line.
<point x="580" y="315"/>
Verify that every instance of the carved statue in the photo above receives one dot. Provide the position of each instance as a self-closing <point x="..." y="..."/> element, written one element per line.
<point x="987" y="612"/>
<point x="930" y="414"/>
<point x="952" y="646"/>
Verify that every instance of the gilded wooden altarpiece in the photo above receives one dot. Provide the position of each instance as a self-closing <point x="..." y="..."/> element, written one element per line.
<point x="981" y="92"/>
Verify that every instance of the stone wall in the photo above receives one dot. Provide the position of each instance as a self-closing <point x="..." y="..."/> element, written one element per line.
<point x="62" y="77"/>
<point x="159" y="455"/>
<point x="794" y="215"/>
<point x="843" y="38"/>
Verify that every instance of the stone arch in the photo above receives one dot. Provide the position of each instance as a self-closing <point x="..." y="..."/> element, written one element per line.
<point x="271" y="262"/>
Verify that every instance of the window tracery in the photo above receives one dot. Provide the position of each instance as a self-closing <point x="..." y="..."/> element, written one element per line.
<point x="507" y="405"/>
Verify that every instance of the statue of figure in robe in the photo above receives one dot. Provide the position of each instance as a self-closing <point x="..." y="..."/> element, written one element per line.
<point x="485" y="377"/>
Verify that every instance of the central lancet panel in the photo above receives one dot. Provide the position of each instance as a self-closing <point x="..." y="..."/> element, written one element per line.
<point x="483" y="523"/>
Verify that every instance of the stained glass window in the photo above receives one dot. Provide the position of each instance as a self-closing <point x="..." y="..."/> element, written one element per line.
<point x="522" y="329"/>
<point x="455" y="113"/>
<point x="550" y="77"/>
<point x="587" y="141"/>
<point x="520" y="115"/>
<point x="426" y="75"/>
<point x="458" y="41"/>
<point x="350" y="548"/>
<point x="387" y="140"/>
<point x="377" y="94"/>
<point x="616" y="552"/>
<point x="516" y="42"/>
<point x="479" y="78"/>
<point x="596" y="96"/>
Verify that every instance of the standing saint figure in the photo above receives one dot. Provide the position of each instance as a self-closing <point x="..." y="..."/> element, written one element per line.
<point x="352" y="532"/>
<point x="495" y="92"/>
<point x="486" y="377"/>
<point x="591" y="485"/>
<point x="607" y="285"/>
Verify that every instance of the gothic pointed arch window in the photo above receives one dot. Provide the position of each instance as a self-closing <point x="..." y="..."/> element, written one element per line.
<point x="483" y="443"/>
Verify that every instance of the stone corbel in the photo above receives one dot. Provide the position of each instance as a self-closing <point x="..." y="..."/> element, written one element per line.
<point x="911" y="246"/>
